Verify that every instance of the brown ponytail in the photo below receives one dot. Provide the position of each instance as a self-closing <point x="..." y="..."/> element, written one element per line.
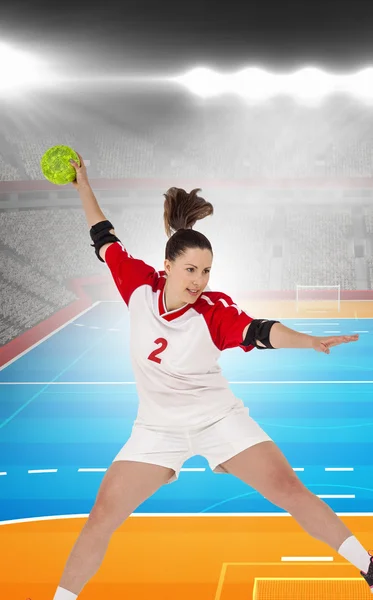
<point x="181" y="212"/>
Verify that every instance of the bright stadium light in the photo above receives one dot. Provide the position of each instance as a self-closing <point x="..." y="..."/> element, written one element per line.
<point x="254" y="83"/>
<point x="361" y="84"/>
<point x="203" y="82"/>
<point x="19" y="69"/>
<point x="309" y="83"/>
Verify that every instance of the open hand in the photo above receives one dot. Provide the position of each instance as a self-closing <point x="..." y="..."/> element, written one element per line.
<point x="323" y="344"/>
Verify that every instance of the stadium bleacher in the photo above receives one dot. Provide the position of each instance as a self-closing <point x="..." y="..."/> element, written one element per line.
<point x="36" y="264"/>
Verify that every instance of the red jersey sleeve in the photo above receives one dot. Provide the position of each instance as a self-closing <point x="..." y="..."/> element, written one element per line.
<point x="128" y="273"/>
<point x="226" y="322"/>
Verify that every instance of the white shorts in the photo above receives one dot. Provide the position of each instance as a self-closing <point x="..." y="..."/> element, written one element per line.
<point x="171" y="447"/>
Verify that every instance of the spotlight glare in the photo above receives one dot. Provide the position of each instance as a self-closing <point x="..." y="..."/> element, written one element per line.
<point x="361" y="84"/>
<point x="254" y="83"/>
<point x="19" y="69"/>
<point x="203" y="82"/>
<point x="309" y="83"/>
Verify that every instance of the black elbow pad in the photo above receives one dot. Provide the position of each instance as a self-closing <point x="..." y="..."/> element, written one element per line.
<point x="100" y="235"/>
<point x="258" y="331"/>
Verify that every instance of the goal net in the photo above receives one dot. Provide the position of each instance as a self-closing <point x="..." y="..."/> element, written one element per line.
<point x="318" y="298"/>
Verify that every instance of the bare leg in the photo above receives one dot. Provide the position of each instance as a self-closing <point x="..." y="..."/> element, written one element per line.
<point x="125" y="485"/>
<point x="318" y="519"/>
<point x="265" y="468"/>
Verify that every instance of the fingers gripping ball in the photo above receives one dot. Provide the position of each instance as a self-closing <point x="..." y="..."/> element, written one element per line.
<point x="56" y="167"/>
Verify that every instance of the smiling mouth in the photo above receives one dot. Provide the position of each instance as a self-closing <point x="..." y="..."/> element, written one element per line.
<point x="193" y="293"/>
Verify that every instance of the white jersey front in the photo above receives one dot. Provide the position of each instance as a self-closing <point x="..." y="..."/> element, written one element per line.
<point x="175" y="354"/>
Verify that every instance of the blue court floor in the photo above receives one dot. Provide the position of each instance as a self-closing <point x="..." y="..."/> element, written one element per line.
<point x="68" y="405"/>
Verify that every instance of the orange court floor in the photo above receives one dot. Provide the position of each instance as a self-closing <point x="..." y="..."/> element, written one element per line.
<point x="311" y="309"/>
<point x="188" y="558"/>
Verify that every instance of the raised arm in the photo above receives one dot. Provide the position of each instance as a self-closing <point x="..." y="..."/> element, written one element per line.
<point x="93" y="212"/>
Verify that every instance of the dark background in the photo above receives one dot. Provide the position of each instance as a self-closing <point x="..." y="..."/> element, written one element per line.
<point x="143" y="36"/>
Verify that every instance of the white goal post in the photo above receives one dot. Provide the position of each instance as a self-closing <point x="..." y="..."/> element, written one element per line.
<point x="318" y="298"/>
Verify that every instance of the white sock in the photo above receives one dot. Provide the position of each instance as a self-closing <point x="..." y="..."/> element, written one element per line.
<point x="62" y="594"/>
<point x="354" y="552"/>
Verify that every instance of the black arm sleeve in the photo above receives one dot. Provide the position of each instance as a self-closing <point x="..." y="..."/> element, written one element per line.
<point x="258" y="331"/>
<point x="100" y="235"/>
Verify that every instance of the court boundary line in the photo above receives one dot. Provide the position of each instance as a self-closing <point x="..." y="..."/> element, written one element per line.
<point x="47" y="336"/>
<point x="225" y="566"/>
<point x="173" y="515"/>
<point x="62" y="371"/>
<point x="18" y="356"/>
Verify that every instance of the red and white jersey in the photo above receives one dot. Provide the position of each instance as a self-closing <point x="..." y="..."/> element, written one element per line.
<point x="175" y="354"/>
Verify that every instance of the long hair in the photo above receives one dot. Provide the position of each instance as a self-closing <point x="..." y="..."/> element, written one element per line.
<point x="181" y="212"/>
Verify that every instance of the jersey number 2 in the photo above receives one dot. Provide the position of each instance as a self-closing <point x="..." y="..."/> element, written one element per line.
<point x="153" y="355"/>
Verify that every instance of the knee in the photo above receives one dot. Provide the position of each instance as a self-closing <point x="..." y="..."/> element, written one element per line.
<point x="101" y="517"/>
<point x="288" y="493"/>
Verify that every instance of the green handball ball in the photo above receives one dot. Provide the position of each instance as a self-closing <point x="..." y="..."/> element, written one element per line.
<point x="56" y="167"/>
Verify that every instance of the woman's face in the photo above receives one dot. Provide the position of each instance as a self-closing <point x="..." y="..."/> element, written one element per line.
<point x="189" y="273"/>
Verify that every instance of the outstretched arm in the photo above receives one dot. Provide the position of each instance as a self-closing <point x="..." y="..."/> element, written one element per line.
<point x="282" y="337"/>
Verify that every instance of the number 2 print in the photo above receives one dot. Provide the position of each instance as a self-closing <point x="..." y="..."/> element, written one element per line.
<point x="154" y="355"/>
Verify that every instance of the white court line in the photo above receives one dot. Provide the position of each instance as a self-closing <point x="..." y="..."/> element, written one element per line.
<point x="190" y="469"/>
<point x="95" y="327"/>
<point x="42" y="471"/>
<point x="339" y="469"/>
<point x="186" y="469"/>
<point x="308" y="323"/>
<point x="134" y="382"/>
<point x="60" y="374"/>
<point x="48" y="336"/>
<point x="170" y="515"/>
<point x="120" y="301"/>
<point x="336" y="496"/>
<point x="307" y="558"/>
<point x="92" y="470"/>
